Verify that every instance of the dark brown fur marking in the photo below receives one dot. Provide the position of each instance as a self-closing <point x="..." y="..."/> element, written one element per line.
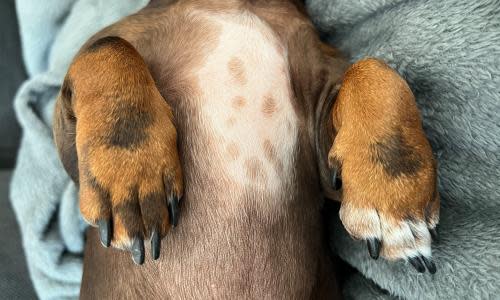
<point x="129" y="214"/>
<point x="92" y="181"/>
<point x="396" y="156"/>
<point x="153" y="208"/>
<point x="67" y="94"/>
<point x="65" y="131"/>
<point x="109" y="41"/>
<point x="102" y="193"/>
<point x="130" y="128"/>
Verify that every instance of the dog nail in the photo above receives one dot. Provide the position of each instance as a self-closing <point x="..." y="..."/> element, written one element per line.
<point x="417" y="264"/>
<point x="173" y="209"/>
<point x="138" y="251"/>
<point x="336" y="181"/>
<point x="105" y="232"/>
<point x="373" y="247"/>
<point x="155" y="245"/>
<point x="434" y="234"/>
<point x="334" y="177"/>
<point x="429" y="264"/>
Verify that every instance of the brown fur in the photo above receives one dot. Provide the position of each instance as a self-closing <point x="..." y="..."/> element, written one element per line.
<point x="129" y="96"/>
<point x="385" y="148"/>
<point x="263" y="249"/>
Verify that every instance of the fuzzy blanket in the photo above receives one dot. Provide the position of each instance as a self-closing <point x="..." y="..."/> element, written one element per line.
<point x="448" y="51"/>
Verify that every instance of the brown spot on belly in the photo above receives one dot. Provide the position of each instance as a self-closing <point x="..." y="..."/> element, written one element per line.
<point x="237" y="70"/>
<point x="272" y="157"/>
<point x="239" y="102"/>
<point x="254" y="169"/>
<point x="268" y="106"/>
<point x="233" y="151"/>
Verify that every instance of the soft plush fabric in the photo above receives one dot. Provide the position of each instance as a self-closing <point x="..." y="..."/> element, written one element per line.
<point x="448" y="51"/>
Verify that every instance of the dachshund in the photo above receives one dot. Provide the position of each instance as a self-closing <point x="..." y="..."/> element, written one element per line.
<point x="235" y="115"/>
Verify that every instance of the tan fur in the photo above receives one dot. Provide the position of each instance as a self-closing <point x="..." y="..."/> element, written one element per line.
<point x="383" y="108"/>
<point x="112" y="168"/>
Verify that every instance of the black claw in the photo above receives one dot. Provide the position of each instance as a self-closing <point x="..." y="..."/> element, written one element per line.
<point x="155" y="245"/>
<point x="429" y="264"/>
<point x="417" y="264"/>
<point x="336" y="181"/>
<point x="105" y="232"/>
<point x="334" y="177"/>
<point x="173" y="210"/>
<point x="373" y="247"/>
<point x="138" y="251"/>
<point x="434" y="234"/>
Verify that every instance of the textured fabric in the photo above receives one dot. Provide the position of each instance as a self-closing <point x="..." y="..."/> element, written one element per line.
<point x="449" y="52"/>
<point x="42" y="195"/>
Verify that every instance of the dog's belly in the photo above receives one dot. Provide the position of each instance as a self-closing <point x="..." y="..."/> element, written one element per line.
<point x="250" y="219"/>
<point x="245" y="108"/>
<point x="245" y="229"/>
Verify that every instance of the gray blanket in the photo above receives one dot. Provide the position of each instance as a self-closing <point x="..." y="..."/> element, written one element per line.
<point x="448" y="51"/>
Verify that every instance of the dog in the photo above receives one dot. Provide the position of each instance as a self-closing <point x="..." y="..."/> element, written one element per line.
<point x="236" y="114"/>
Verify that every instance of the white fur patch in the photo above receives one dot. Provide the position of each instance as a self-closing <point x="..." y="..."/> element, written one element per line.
<point x="238" y="116"/>
<point x="361" y="223"/>
<point x="401" y="239"/>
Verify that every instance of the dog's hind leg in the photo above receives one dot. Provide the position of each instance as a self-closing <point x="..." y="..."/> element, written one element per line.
<point x="116" y="138"/>
<point x="389" y="195"/>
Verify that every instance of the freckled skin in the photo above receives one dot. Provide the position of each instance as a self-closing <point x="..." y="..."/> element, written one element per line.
<point x="268" y="105"/>
<point x="239" y="102"/>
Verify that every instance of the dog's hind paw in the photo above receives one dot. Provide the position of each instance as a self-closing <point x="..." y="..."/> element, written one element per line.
<point x="116" y="137"/>
<point x="391" y="237"/>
